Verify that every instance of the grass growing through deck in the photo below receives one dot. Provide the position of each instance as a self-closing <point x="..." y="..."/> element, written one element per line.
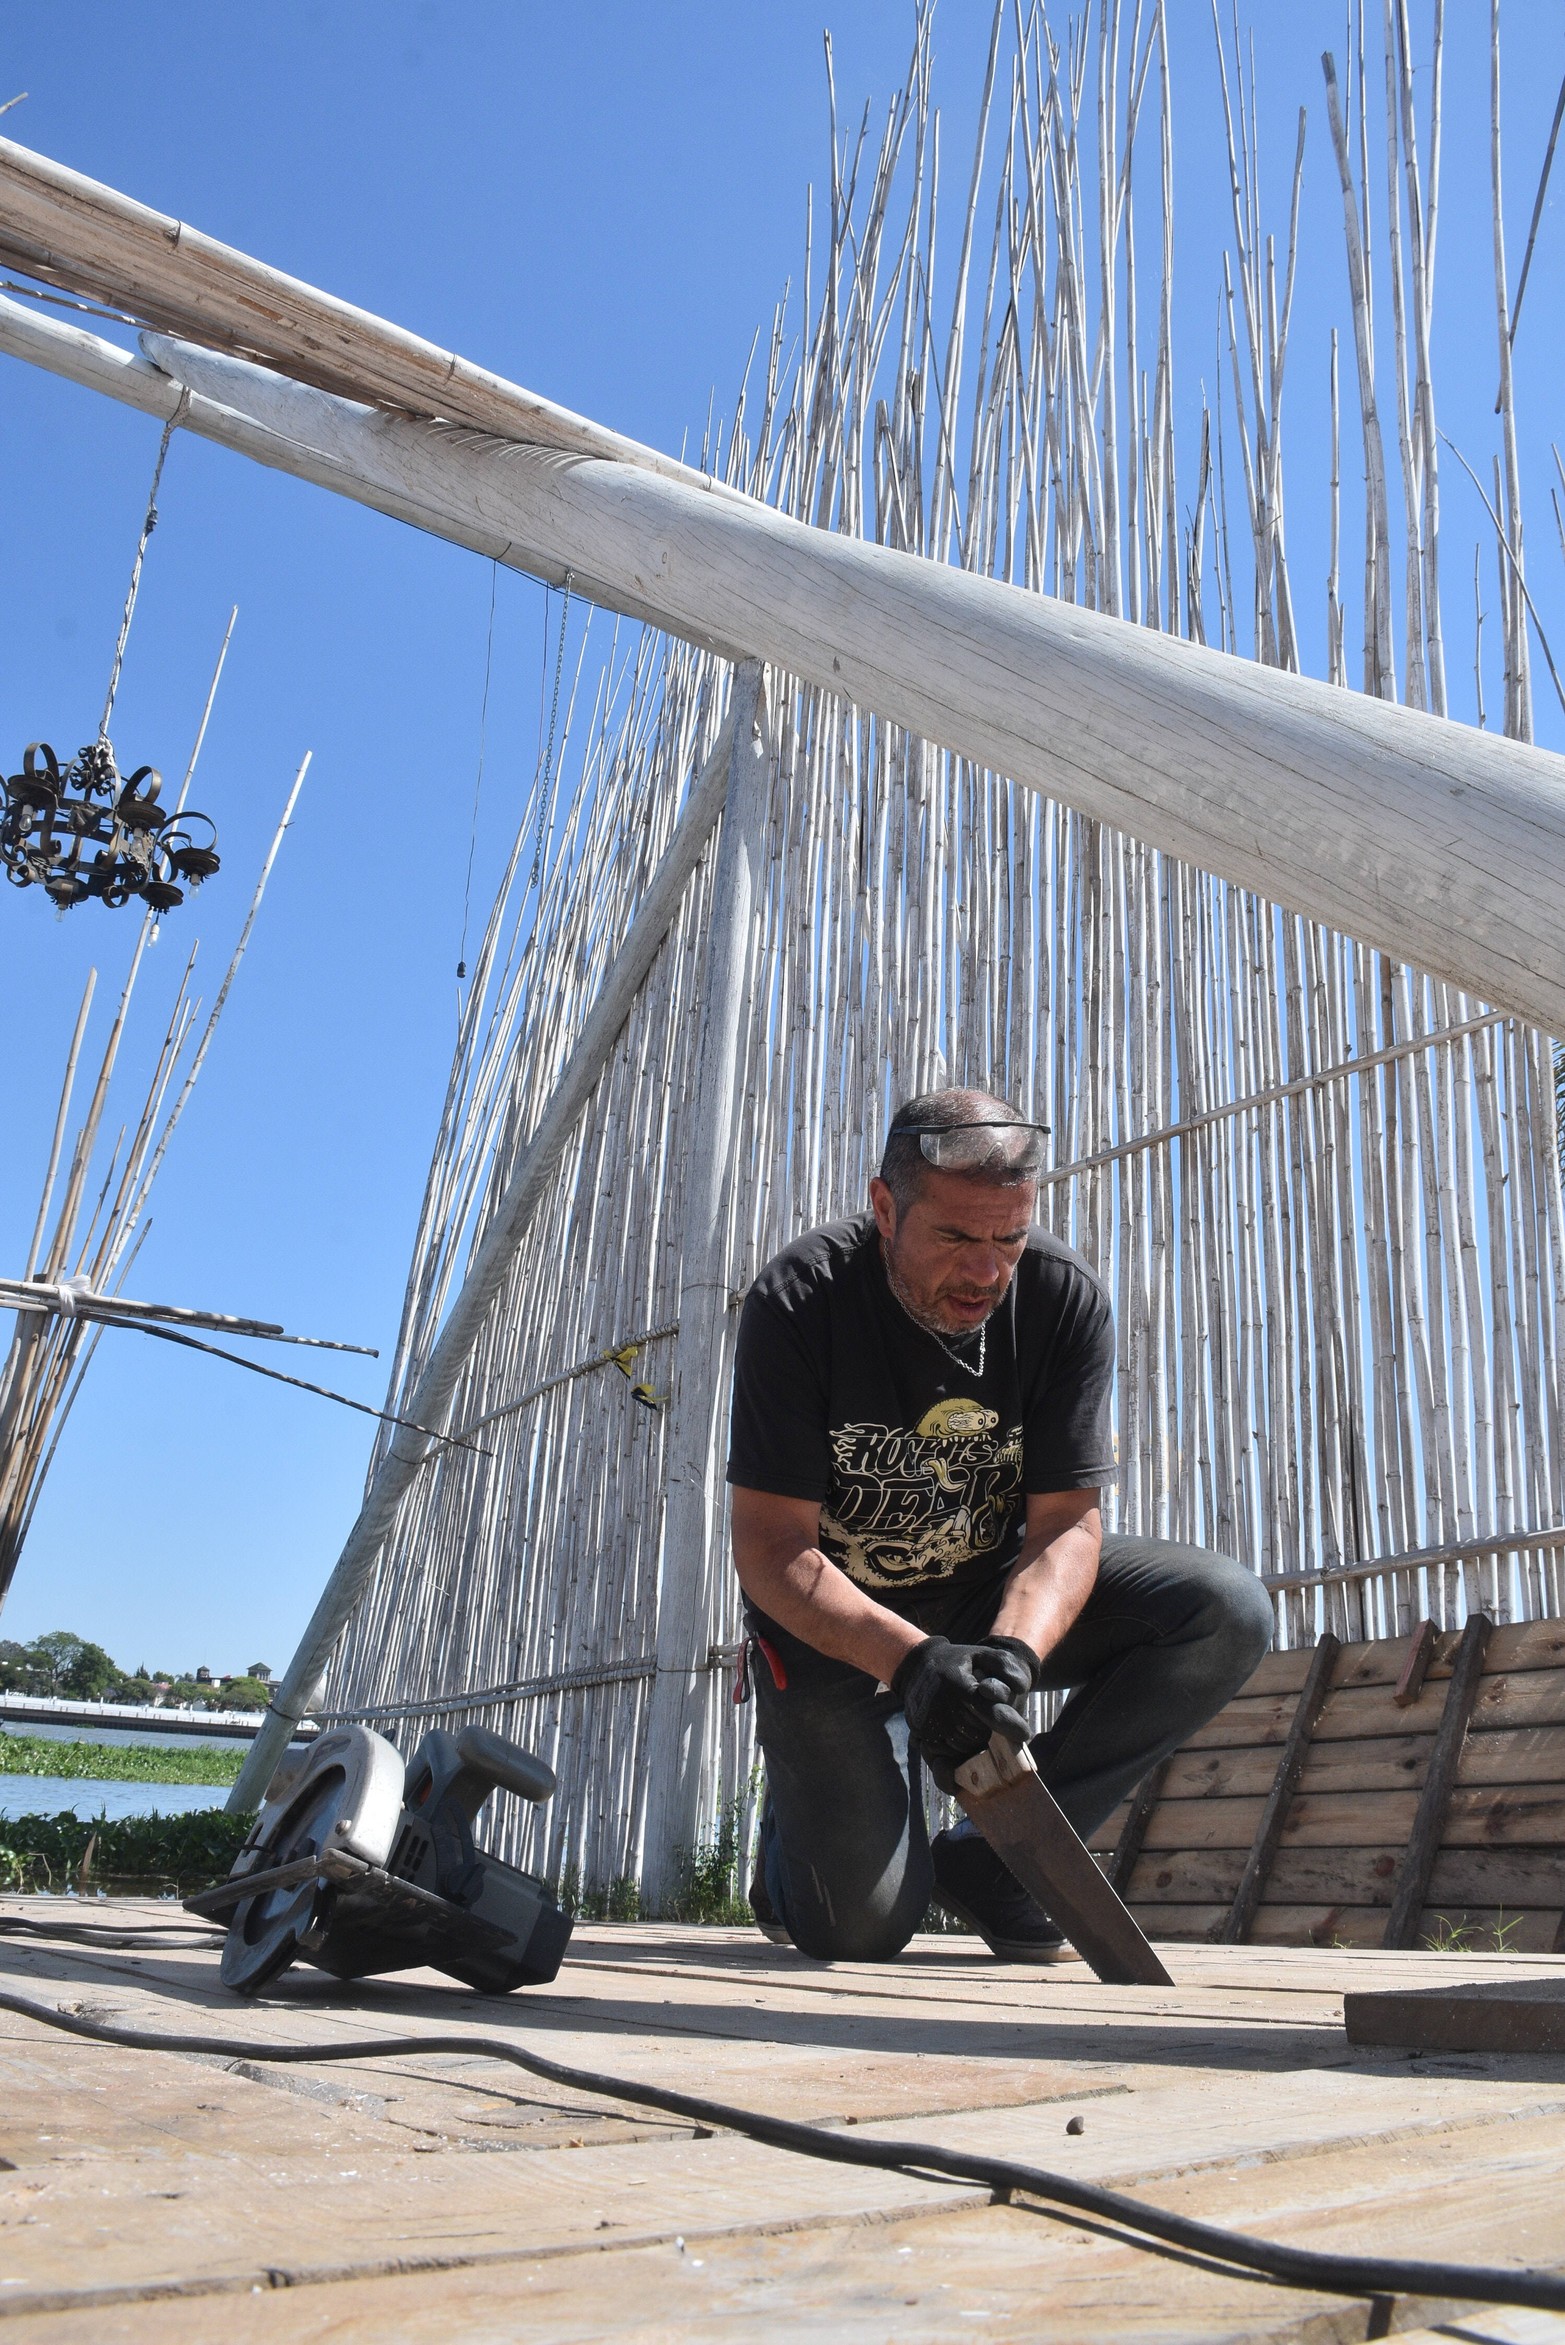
<point x="125" y="1762"/>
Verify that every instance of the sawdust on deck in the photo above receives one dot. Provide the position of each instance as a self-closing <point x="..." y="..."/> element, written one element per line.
<point x="157" y="2196"/>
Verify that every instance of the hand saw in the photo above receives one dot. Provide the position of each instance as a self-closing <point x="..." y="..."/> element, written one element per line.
<point x="1025" y="1825"/>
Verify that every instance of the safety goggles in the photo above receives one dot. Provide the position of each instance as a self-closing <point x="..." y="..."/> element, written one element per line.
<point x="1014" y="1149"/>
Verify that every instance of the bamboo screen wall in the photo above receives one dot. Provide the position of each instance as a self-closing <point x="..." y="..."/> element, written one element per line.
<point x="1339" y="1312"/>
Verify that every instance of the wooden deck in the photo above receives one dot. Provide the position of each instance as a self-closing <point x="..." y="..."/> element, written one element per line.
<point x="157" y="2196"/>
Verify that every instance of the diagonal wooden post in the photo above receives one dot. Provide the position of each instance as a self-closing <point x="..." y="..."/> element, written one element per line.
<point x="1274" y="1815"/>
<point x="681" y="1689"/>
<point x="1418" y="1862"/>
<point x="492" y="1259"/>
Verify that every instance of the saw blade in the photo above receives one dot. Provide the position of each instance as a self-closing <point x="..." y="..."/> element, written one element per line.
<point x="268" y="1929"/>
<point x="1026" y="1826"/>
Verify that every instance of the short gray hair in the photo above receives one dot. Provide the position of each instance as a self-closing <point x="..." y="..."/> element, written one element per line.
<point x="903" y="1164"/>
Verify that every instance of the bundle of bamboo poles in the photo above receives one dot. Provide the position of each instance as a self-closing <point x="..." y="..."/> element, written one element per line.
<point x="1323" y="1187"/>
<point x="94" y="1239"/>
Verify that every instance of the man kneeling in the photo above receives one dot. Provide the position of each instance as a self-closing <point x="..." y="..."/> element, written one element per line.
<point x="920" y="1436"/>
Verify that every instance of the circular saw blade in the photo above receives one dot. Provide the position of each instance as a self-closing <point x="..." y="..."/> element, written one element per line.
<point x="267" y="1930"/>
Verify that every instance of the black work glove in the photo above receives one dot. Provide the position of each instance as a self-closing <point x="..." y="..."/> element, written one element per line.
<point x="1023" y="1652"/>
<point x="956" y="1696"/>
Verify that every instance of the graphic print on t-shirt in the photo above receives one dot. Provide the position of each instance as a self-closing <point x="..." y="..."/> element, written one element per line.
<point x="906" y="1507"/>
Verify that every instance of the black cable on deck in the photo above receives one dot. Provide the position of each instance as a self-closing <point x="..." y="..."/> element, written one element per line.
<point x="1245" y="2257"/>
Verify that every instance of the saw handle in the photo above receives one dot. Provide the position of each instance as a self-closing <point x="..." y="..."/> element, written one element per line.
<point x="992" y="1770"/>
<point x="463" y="1769"/>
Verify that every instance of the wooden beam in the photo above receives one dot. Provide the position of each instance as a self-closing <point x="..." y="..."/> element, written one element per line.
<point x="1411" y="1894"/>
<point x="1420" y="1652"/>
<point x="1549" y="1535"/>
<point x="431" y="1396"/>
<point x="1268" y="1831"/>
<point x="68" y="230"/>
<point x="1502" y="2015"/>
<point x="1440" y="844"/>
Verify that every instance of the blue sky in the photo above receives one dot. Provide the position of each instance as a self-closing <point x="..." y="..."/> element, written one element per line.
<point x="602" y="203"/>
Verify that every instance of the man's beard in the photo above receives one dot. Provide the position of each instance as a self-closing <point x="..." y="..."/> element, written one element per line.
<point x="922" y="1318"/>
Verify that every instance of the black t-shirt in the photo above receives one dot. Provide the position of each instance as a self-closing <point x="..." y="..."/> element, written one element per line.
<point x="921" y="1468"/>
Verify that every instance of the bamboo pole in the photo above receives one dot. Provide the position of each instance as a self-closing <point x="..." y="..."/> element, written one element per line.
<point x="693" y="1546"/>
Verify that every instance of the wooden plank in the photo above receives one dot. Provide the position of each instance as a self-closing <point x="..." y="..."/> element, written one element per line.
<point x="1414" y="1670"/>
<point x="1529" y="1697"/>
<point x="1500" y="1932"/>
<point x="1434" y="1806"/>
<point x="925" y="2276"/>
<point x="1133" y="1832"/>
<point x="1328" y="1924"/>
<point x="1391" y="1763"/>
<point x="1479" y="1815"/>
<point x="1488" y="1877"/>
<point x="1527" y="2017"/>
<point x="1274" y="1815"/>
<point x="1520" y="1646"/>
<point x="1520" y="1754"/>
<point x="1282" y="1672"/>
<point x="1507" y="1755"/>
<point x="1528" y="1644"/>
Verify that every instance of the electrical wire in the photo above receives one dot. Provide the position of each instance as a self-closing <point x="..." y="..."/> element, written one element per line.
<point x="1138" y="2223"/>
<point x="478" y="781"/>
<point x="149" y="524"/>
<point x="193" y="1343"/>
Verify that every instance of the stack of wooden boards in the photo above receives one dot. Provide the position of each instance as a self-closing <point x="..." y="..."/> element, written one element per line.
<point x="1401" y="1793"/>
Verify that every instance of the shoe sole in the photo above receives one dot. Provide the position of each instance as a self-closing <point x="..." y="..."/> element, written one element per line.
<point x="1006" y="1949"/>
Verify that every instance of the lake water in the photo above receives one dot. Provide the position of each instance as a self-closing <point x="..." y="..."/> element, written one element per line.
<point x="80" y="1795"/>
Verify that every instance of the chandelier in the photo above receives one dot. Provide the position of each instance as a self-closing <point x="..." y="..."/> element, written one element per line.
<point x="82" y="830"/>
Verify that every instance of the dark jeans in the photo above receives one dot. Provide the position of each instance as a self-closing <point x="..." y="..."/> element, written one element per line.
<point x="1168" y="1634"/>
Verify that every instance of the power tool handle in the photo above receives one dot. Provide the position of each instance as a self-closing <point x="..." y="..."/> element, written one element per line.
<point x="491" y="1762"/>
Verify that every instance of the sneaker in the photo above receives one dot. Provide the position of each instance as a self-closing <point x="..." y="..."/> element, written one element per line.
<point x="973" y="1883"/>
<point x="765" y="1912"/>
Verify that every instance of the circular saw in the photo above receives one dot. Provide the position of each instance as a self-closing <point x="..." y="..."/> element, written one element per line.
<point x="360" y="1862"/>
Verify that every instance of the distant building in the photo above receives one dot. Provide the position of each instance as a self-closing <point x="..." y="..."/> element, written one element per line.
<point x="203" y="1675"/>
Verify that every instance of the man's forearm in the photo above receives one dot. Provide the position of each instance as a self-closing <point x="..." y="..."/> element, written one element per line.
<point x="806" y="1593"/>
<point x="1048" y="1585"/>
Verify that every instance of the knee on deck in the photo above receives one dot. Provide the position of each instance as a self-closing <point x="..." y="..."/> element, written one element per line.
<point x="853" y="1937"/>
<point x="838" y="1922"/>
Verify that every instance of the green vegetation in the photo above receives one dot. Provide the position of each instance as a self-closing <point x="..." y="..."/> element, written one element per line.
<point x="59" y="1663"/>
<point x="1465" y="1937"/>
<point x="713" y="1878"/>
<point x="711" y="1890"/>
<point x="180" y="1853"/>
<point x="64" y="1664"/>
<point x="107" y="1762"/>
<point x="613" y="1901"/>
<point x="239" y="1693"/>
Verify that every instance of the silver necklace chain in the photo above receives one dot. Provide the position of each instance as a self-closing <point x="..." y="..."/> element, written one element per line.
<point x="935" y="1336"/>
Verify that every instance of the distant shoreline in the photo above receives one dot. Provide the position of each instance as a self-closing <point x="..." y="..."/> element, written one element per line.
<point x="164" y="1718"/>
